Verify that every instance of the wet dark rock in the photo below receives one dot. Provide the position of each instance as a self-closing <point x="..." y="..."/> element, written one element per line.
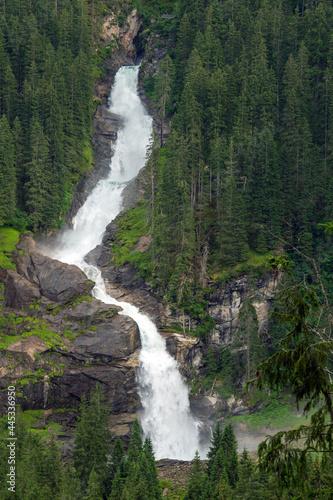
<point x="54" y="280"/>
<point x="118" y="339"/>
<point x="96" y="343"/>
<point x="19" y="292"/>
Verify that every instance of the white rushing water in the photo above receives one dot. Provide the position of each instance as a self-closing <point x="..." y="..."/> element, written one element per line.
<point x="166" y="416"/>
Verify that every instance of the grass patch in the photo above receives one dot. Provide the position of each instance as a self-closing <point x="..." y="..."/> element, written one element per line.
<point x="131" y="227"/>
<point x="84" y="298"/>
<point x="31" y="416"/>
<point x="255" y="267"/>
<point x="44" y="433"/>
<point x="27" y="327"/>
<point x="69" y="335"/>
<point x="8" y="239"/>
<point x="277" y="412"/>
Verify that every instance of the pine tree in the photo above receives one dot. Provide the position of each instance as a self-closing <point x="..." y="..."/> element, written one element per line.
<point x="94" y="487"/>
<point x="164" y="82"/>
<point x="39" y="185"/>
<point x="92" y="441"/>
<point x="233" y="237"/>
<point x="195" y="484"/>
<point x="7" y="172"/>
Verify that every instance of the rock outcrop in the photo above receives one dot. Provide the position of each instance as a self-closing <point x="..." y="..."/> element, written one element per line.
<point x="105" y="123"/>
<point x="225" y="303"/>
<point x="63" y="340"/>
<point x="119" y="37"/>
<point x="38" y="275"/>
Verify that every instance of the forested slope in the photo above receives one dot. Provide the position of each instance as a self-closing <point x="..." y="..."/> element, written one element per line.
<point x="248" y="85"/>
<point x="46" y="79"/>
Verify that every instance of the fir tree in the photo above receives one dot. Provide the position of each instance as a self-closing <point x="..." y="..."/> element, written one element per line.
<point x="94" y="486"/>
<point x="7" y="172"/>
<point x="195" y="485"/>
<point x="39" y="185"/>
<point x="92" y="440"/>
<point x="164" y="82"/>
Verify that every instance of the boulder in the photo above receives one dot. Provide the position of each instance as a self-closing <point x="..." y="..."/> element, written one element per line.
<point x="115" y="340"/>
<point x="55" y="280"/>
<point x="19" y="292"/>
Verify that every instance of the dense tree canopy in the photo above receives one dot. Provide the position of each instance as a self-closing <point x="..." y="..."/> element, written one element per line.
<point x="250" y="144"/>
<point x="46" y="51"/>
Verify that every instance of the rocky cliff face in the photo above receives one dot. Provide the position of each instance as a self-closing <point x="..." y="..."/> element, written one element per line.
<point x="225" y="303"/>
<point x="59" y="341"/>
<point x="106" y="124"/>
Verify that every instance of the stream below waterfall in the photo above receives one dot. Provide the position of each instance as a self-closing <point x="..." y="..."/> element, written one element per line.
<point x="166" y="416"/>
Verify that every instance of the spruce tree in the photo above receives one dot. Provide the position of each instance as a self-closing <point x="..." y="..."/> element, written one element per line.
<point x="135" y="447"/>
<point x="228" y="448"/>
<point x="215" y="445"/>
<point x="248" y="339"/>
<point x="92" y="440"/>
<point x="233" y="237"/>
<point x="7" y="172"/>
<point x="195" y="485"/>
<point x="94" y="490"/>
<point x="117" y="486"/>
<point x="164" y="82"/>
<point x="39" y="185"/>
<point x="248" y="485"/>
<point x="150" y="470"/>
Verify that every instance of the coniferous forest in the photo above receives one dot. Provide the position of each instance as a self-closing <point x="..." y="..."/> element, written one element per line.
<point x="46" y="108"/>
<point x="249" y="158"/>
<point x="238" y="181"/>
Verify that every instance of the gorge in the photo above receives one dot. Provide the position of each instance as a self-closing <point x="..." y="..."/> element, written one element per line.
<point x="166" y="416"/>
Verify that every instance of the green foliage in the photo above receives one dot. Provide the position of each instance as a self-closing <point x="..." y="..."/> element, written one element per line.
<point x="195" y="484"/>
<point x="247" y="345"/>
<point x="92" y="440"/>
<point x="306" y="350"/>
<point x="68" y="334"/>
<point x="251" y="130"/>
<point x="45" y="108"/>
<point x="276" y="412"/>
<point x="222" y="465"/>
<point x="8" y="239"/>
<point x="38" y="467"/>
<point x="131" y="227"/>
<point x="206" y="326"/>
<point x="135" y="477"/>
<point x="20" y="328"/>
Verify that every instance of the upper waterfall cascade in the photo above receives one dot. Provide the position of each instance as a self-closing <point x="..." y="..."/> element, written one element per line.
<point x="166" y="416"/>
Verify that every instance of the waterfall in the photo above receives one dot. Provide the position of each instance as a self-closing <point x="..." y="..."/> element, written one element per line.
<point x="166" y="416"/>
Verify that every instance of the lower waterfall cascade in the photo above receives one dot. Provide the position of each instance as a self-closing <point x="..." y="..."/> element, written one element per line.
<point x="166" y="417"/>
